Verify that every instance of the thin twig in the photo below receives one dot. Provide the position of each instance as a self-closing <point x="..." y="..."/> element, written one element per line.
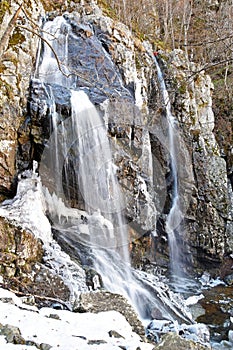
<point x="6" y="36"/>
<point x="209" y="42"/>
<point x="209" y="66"/>
<point x="51" y="48"/>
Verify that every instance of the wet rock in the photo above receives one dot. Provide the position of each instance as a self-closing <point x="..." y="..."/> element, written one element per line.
<point x="173" y="341"/>
<point x="226" y="268"/>
<point x="32" y="343"/>
<point x="93" y="279"/>
<point x="208" y="204"/>
<point x="229" y="280"/>
<point x="218" y="306"/>
<point x="198" y="333"/>
<point x="106" y="301"/>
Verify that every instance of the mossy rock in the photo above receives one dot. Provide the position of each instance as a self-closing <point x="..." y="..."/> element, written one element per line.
<point x="173" y="341"/>
<point x="17" y="38"/>
<point x="58" y="5"/>
<point x="4" y="7"/>
<point x="107" y="9"/>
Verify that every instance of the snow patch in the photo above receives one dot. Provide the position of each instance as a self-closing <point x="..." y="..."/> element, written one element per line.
<point x="6" y="145"/>
<point x="68" y="330"/>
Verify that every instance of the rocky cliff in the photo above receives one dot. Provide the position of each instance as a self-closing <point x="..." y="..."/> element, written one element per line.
<point x="208" y="223"/>
<point x="17" y="51"/>
<point x="118" y="73"/>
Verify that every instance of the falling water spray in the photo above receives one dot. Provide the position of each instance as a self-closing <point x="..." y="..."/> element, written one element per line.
<point x="100" y="226"/>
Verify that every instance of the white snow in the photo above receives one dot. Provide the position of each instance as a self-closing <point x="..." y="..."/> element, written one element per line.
<point x="192" y="300"/>
<point x="6" y="145"/>
<point x="27" y="209"/>
<point x="70" y="331"/>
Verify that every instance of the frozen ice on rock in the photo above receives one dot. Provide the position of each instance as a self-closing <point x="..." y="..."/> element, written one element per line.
<point x="68" y="330"/>
<point x="193" y="299"/>
<point x="198" y="332"/>
<point x="207" y="281"/>
<point x="230" y="336"/>
<point x="27" y="209"/>
<point x="158" y="325"/>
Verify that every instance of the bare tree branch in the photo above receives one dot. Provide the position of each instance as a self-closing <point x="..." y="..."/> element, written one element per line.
<point x="209" y="42"/>
<point x="51" y="48"/>
<point x="6" y="36"/>
<point x="208" y="66"/>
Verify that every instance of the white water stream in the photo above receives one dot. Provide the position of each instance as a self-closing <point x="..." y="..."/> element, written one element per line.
<point x="175" y="214"/>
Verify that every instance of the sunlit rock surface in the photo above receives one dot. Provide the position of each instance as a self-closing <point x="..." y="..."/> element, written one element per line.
<point x="172" y="340"/>
<point x="16" y="64"/>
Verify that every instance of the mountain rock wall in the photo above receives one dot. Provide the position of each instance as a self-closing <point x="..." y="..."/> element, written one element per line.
<point x="208" y="219"/>
<point x="118" y="73"/>
<point x="18" y="46"/>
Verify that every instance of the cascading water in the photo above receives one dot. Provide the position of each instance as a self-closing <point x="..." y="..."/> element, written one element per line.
<point x="180" y="280"/>
<point x="100" y="227"/>
<point x="175" y="214"/>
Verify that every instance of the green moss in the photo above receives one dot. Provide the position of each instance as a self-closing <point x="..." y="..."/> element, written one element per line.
<point x="160" y="45"/>
<point x="17" y="38"/>
<point x="107" y="9"/>
<point x="6" y="89"/>
<point x="182" y="88"/>
<point x="59" y="5"/>
<point x="138" y="62"/>
<point x="4" y="7"/>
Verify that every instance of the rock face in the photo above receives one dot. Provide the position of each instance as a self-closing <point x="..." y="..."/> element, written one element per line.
<point x="120" y="78"/>
<point x="208" y="212"/>
<point x="118" y="96"/>
<point x="105" y="301"/>
<point x="19" y="250"/>
<point x="16" y="62"/>
<point x="21" y="265"/>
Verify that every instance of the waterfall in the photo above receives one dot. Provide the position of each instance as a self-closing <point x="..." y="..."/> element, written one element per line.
<point x="54" y="67"/>
<point x="99" y="226"/>
<point x="175" y="214"/>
